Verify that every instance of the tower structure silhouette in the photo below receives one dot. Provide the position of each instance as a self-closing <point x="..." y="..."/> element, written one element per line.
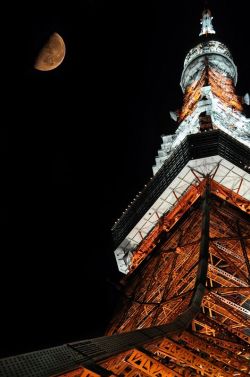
<point x="183" y="246"/>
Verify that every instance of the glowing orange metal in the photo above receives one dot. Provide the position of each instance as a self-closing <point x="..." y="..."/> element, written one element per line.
<point x="80" y="372"/>
<point x="162" y="289"/>
<point x="166" y="223"/>
<point x="170" y="219"/>
<point x="218" y="353"/>
<point x="169" y="348"/>
<point x="150" y="366"/>
<point x="230" y="196"/>
<point x="221" y="86"/>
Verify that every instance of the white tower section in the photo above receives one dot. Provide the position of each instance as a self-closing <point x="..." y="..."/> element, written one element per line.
<point x="212" y="137"/>
<point x="208" y="82"/>
<point x="206" y="23"/>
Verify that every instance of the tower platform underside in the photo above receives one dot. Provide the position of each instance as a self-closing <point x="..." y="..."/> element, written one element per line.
<point x="212" y="152"/>
<point x="186" y="307"/>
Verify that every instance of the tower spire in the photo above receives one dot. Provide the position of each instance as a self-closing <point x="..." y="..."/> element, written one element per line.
<point x="206" y="23"/>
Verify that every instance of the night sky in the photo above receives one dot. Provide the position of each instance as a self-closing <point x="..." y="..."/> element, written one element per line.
<point x="91" y="130"/>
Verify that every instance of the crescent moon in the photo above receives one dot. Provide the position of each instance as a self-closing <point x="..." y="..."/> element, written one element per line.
<point x="52" y="54"/>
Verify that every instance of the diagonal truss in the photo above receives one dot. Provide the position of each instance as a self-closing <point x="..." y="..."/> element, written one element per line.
<point x="217" y="343"/>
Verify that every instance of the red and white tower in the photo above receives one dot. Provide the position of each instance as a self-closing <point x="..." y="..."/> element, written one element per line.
<point x="183" y="246"/>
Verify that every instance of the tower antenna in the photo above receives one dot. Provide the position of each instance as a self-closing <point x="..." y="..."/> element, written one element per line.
<point x="206" y="22"/>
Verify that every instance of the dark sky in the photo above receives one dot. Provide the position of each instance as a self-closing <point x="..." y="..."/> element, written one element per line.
<point x="90" y="132"/>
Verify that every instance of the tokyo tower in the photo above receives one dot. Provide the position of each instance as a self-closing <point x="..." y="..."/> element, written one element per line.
<point x="182" y="245"/>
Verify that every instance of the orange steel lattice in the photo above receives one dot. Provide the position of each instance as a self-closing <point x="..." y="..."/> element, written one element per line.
<point x="221" y="86"/>
<point x="187" y="290"/>
<point x="170" y="348"/>
<point x="137" y="363"/>
<point x="80" y="372"/>
<point x="183" y="204"/>
<point x="217" y="342"/>
<point x="162" y="281"/>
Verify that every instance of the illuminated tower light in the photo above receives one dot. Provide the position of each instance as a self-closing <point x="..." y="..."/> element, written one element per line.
<point x="206" y="23"/>
<point x="203" y="179"/>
